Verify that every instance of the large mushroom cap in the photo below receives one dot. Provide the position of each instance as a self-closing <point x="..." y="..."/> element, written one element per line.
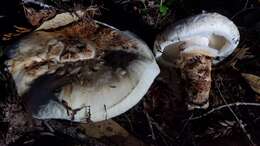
<point x="210" y="34"/>
<point x="81" y="71"/>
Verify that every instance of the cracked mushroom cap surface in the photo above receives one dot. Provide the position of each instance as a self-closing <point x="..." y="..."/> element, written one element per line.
<point x="80" y="70"/>
<point x="209" y="34"/>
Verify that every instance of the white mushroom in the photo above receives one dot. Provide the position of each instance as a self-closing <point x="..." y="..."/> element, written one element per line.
<point x="192" y="45"/>
<point x="81" y="71"/>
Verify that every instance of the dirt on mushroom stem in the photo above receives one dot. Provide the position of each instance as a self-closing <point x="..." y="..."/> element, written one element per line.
<point x="196" y="73"/>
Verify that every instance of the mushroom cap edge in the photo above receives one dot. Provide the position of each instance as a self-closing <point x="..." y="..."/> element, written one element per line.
<point x="201" y="25"/>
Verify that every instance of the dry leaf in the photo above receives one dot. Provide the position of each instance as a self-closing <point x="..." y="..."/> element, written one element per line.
<point x="253" y="81"/>
<point x="113" y="131"/>
<point x="106" y="128"/>
<point x="36" y="16"/>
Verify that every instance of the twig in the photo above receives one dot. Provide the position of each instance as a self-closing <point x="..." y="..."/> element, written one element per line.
<point x="160" y="129"/>
<point x="236" y="104"/>
<point x="130" y="123"/>
<point x="151" y="126"/>
<point x="162" y="134"/>
<point x="185" y="125"/>
<point x="246" y="4"/>
<point x="46" y="134"/>
<point x="48" y="126"/>
<point x="163" y="139"/>
<point x="241" y="11"/>
<point x="240" y="122"/>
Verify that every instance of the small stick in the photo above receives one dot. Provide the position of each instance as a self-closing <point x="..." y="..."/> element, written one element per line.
<point x="130" y="123"/>
<point x="159" y="128"/>
<point x="48" y="126"/>
<point x="184" y="126"/>
<point x="150" y="125"/>
<point x="236" y="104"/>
<point x="240" y="122"/>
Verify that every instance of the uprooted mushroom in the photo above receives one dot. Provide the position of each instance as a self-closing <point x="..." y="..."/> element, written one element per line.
<point x="80" y="70"/>
<point x="193" y="45"/>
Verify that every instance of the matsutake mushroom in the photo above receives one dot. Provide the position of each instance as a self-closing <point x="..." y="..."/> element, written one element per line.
<point x="80" y="70"/>
<point x="193" y="45"/>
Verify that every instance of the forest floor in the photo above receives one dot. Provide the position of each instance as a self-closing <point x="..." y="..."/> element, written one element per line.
<point x="161" y="118"/>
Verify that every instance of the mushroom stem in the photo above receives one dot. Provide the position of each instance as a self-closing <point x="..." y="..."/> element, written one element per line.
<point x="193" y="45"/>
<point x="196" y="74"/>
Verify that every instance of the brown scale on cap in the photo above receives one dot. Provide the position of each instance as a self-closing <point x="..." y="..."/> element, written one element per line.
<point x="70" y="44"/>
<point x="108" y="38"/>
<point x="87" y="31"/>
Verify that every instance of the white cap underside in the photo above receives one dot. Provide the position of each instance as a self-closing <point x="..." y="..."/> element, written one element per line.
<point x="108" y="97"/>
<point x="113" y="98"/>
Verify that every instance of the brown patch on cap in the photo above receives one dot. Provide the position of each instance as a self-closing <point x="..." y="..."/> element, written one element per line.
<point x="34" y="67"/>
<point x="67" y="89"/>
<point x="108" y="38"/>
